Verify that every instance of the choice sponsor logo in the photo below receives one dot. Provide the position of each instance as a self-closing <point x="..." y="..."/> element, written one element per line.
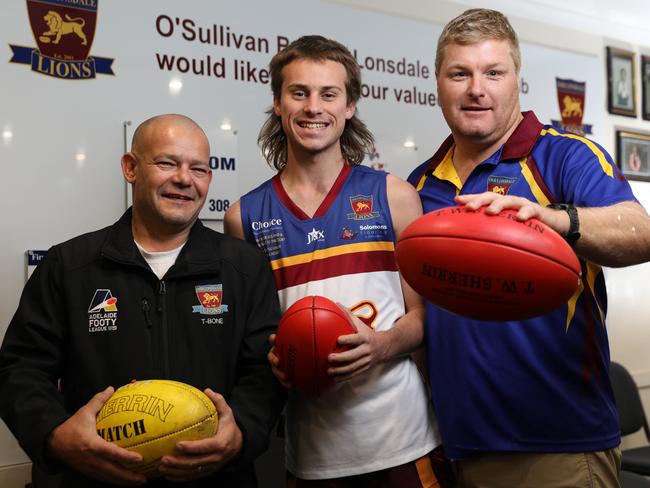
<point x="102" y="311"/>
<point x="266" y="224"/>
<point x="64" y="31"/>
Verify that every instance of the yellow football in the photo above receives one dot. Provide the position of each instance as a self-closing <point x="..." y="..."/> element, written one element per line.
<point x="151" y="416"/>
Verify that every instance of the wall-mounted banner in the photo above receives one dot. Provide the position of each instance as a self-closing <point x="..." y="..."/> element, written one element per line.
<point x="571" y="100"/>
<point x="64" y="31"/>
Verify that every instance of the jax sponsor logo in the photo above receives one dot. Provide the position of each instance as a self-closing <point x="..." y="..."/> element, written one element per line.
<point x="210" y="297"/>
<point x="362" y="208"/>
<point x="500" y="184"/>
<point x="266" y="224"/>
<point x="102" y="311"/>
<point x="64" y="31"/>
<point x="315" y="235"/>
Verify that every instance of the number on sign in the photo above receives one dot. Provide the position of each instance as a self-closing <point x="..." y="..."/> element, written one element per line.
<point x="218" y="205"/>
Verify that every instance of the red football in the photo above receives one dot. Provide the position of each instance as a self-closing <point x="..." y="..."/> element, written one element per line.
<point x="306" y="335"/>
<point x="487" y="267"/>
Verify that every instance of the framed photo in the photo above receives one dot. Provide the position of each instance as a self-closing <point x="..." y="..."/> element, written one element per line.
<point x="645" y="86"/>
<point x="633" y="154"/>
<point x="621" y="93"/>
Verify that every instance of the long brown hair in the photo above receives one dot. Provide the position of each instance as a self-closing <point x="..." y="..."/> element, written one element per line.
<point x="356" y="139"/>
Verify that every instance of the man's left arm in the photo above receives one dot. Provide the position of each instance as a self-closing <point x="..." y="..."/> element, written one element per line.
<point x="370" y="347"/>
<point x="198" y="459"/>
<point x="616" y="235"/>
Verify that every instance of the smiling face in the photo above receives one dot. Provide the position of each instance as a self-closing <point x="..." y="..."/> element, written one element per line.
<point x="313" y="108"/>
<point x="478" y="90"/>
<point x="168" y="168"/>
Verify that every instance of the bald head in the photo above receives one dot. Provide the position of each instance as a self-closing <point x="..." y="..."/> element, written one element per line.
<point x="168" y="168"/>
<point x="143" y="133"/>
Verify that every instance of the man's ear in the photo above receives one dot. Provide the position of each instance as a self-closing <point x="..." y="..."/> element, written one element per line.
<point x="276" y="106"/>
<point x="129" y="162"/>
<point x="350" y="110"/>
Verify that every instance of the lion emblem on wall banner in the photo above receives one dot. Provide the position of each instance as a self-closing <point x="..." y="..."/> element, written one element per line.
<point x="64" y="32"/>
<point x="571" y="101"/>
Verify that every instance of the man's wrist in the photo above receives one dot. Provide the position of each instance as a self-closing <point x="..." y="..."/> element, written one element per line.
<point x="573" y="234"/>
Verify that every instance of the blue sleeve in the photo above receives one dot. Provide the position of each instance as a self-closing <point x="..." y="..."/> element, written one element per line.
<point x="587" y="175"/>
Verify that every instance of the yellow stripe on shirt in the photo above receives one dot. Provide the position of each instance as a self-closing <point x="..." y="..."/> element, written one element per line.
<point x="534" y="187"/>
<point x="444" y="171"/>
<point x="607" y="167"/>
<point x="332" y="251"/>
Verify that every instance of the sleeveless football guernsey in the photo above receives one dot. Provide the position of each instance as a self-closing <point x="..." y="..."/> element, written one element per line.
<point x="380" y="418"/>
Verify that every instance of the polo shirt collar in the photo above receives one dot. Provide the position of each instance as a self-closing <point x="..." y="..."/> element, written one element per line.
<point x="519" y="144"/>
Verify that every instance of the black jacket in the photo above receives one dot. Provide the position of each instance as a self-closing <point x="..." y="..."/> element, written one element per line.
<point x="64" y="329"/>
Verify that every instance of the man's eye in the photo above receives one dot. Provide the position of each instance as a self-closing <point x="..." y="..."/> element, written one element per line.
<point x="165" y="164"/>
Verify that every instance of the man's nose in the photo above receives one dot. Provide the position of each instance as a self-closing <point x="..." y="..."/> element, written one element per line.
<point x="476" y="87"/>
<point x="313" y="104"/>
<point x="183" y="176"/>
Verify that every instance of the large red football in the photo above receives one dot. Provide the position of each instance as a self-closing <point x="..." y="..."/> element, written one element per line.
<point x="487" y="267"/>
<point x="306" y="335"/>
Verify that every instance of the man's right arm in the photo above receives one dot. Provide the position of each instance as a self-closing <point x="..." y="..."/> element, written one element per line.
<point x="75" y="442"/>
<point x="232" y="221"/>
<point x="31" y="359"/>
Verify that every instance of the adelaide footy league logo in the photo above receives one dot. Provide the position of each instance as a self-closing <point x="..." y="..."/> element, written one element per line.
<point x="102" y="311"/>
<point x="362" y="208"/>
<point x="210" y="297"/>
<point x="64" y="31"/>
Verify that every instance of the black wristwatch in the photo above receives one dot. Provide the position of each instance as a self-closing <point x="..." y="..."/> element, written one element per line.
<point x="573" y="234"/>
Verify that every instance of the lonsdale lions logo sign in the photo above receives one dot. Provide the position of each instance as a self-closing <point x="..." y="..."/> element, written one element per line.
<point x="571" y="100"/>
<point x="64" y="31"/>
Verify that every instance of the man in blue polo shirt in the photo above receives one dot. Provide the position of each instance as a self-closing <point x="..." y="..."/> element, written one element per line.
<point x="525" y="403"/>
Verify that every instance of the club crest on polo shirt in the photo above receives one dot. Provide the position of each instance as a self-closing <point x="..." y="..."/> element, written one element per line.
<point x="102" y="311"/>
<point x="362" y="208"/>
<point x="210" y="299"/>
<point x="500" y="184"/>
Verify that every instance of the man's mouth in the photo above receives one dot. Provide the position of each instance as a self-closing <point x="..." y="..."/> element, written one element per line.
<point x="177" y="196"/>
<point x="313" y="125"/>
<point x="473" y="108"/>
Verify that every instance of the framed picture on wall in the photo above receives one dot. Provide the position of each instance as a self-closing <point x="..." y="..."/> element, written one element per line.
<point x="621" y="95"/>
<point x="633" y="154"/>
<point x="645" y="87"/>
